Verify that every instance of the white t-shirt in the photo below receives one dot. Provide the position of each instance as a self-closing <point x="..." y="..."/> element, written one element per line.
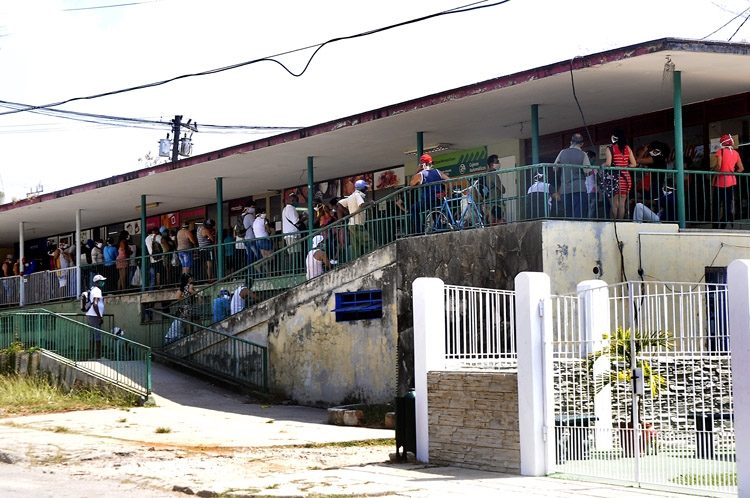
<point x="259" y="228"/>
<point x="150" y="245"/>
<point x="237" y="304"/>
<point x="313" y="266"/>
<point x="96" y="293"/>
<point x="353" y="203"/>
<point x="289" y="217"/>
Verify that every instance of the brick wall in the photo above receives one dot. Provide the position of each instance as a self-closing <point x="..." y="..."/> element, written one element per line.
<point x="473" y="419"/>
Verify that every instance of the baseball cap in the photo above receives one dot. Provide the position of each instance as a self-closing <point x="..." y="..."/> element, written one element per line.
<point x="425" y="158"/>
<point x="98" y="278"/>
<point x="163" y="229"/>
<point x="317" y="240"/>
<point x="360" y="184"/>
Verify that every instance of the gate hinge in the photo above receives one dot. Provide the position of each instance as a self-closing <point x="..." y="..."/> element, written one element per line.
<point x="541" y="307"/>
<point x="544" y="433"/>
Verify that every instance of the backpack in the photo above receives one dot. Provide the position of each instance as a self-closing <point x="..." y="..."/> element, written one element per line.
<point x="156" y="249"/>
<point x="86" y="301"/>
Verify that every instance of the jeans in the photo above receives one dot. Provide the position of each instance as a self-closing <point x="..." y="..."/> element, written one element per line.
<point x="575" y="204"/>
<point x="723" y="204"/>
<point x="643" y="213"/>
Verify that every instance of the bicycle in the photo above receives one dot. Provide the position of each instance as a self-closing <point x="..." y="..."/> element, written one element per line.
<point x="442" y="219"/>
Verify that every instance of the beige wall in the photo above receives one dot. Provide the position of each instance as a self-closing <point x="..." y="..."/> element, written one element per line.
<point x="473" y="420"/>
<point x="571" y="251"/>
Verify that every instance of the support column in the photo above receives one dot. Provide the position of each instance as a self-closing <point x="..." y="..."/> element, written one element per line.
<point x="77" y="239"/>
<point x="534" y="344"/>
<point x="310" y="192"/>
<point x="593" y="320"/>
<point x="679" y="155"/>
<point x="144" y="252"/>
<point x="21" y="255"/>
<point x="738" y="280"/>
<point x="534" y="133"/>
<point x="220" y="227"/>
<point x="428" y="304"/>
<point x="420" y="145"/>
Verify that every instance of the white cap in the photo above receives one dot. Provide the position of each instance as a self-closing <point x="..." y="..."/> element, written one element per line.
<point x="98" y="278"/>
<point x="317" y="240"/>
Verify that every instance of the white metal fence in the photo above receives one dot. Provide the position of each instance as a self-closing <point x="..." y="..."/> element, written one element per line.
<point x="479" y="327"/>
<point x="44" y="286"/>
<point x="10" y="291"/>
<point x="643" y="387"/>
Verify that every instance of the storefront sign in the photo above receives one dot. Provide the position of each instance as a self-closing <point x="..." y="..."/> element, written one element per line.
<point x="461" y="162"/>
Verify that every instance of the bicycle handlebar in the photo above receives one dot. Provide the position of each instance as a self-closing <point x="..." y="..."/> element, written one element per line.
<point x="472" y="186"/>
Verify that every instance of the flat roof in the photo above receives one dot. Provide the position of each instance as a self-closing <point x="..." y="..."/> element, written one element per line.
<point x="610" y="85"/>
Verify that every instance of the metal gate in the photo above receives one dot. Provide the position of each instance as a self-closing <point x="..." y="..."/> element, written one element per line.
<point x="643" y="388"/>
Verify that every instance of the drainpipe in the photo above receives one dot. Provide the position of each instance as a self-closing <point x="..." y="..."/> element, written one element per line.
<point x="534" y="133"/>
<point x="220" y="227"/>
<point x="679" y="161"/>
<point x="144" y="252"/>
<point x="310" y="187"/>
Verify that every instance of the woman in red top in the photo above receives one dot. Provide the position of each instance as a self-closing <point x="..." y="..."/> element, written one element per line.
<point x="727" y="162"/>
<point x="619" y="155"/>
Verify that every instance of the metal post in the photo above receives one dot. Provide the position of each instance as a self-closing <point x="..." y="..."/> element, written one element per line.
<point x="220" y="227"/>
<point x="679" y="162"/>
<point x="310" y="192"/>
<point x="144" y="251"/>
<point x="420" y="145"/>
<point x="176" y="125"/>
<point x="79" y="285"/>
<point x="21" y="255"/>
<point x="534" y="133"/>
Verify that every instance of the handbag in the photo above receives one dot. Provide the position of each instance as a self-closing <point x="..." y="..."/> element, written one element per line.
<point x="607" y="182"/>
<point x="136" y="280"/>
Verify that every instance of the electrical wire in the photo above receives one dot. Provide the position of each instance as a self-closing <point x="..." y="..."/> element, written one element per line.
<point x="456" y="10"/>
<point x="727" y="24"/>
<point x="108" y="6"/>
<point x="739" y="28"/>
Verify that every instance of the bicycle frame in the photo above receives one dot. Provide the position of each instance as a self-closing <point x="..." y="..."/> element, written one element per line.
<point x="443" y="218"/>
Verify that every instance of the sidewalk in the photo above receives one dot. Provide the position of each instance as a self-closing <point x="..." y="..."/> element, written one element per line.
<point x="211" y="440"/>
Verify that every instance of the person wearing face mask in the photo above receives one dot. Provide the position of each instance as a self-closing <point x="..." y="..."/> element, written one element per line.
<point x="359" y="239"/>
<point x="260" y="230"/>
<point x="619" y="155"/>
<point x="654" y="156"/>
<point x="252" y="253"/>
<point x="429" y="197"/>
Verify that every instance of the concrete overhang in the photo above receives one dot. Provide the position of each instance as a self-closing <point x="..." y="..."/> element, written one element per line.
<point x="610" y="85"/>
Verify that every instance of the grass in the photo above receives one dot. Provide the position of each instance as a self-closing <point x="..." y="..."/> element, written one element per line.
<point x="31" y="395"/>
<point x="351" y="444"/>
<point x="163" y="430"/>
<point x="720" y="479"/>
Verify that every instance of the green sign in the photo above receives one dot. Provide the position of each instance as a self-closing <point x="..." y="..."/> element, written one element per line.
<point x="461" y="162"/>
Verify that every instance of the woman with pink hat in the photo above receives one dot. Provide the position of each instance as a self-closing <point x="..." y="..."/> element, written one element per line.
<point x="728" y="162"/>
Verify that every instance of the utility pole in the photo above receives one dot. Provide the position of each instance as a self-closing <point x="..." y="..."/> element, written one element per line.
<point x="176" y="124"/>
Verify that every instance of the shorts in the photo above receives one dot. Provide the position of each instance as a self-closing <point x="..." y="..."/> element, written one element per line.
<point x="186" y="259"/>
<point x="263" y="244"/>
<point x="207" y="254"/>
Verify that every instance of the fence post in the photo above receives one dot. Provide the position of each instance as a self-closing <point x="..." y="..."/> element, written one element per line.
<point x="428" y="305"/>
<point x="738" y="280"/>
<point x="593" y="319"/>
<point x="534" y="344"/>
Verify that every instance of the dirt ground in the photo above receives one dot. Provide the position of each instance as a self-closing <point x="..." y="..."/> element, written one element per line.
<point x="67" y="465"/>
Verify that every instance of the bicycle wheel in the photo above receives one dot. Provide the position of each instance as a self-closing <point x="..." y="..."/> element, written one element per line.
<point x="436" y="221"/>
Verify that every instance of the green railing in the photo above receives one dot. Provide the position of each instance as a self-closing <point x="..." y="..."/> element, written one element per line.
<point x="110" y="357"/>
<point x="210" y="351"/>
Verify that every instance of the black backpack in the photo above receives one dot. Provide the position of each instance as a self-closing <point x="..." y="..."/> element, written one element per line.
<point x="86" y="300"/>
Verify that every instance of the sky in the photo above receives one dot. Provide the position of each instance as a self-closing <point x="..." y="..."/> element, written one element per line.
<point x="54" y="50"/>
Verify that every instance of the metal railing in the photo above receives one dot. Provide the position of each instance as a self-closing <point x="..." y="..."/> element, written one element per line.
<point x="107" y="356"/>
<point x="211" y="351"/>
<point x="10" y="291"/>
<point x="479" y="327"/>
<point x="49" y="285"/>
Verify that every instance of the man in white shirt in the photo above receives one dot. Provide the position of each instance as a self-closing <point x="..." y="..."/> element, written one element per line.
<point x="359" y="239"/>
<point x="290" y="220"/>
<point x="239" y="296"/>
<point x="95" y="313"/>
<point x="153" y="243"/>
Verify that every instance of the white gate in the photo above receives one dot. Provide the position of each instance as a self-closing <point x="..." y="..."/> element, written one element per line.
<point x="642" y="386"/>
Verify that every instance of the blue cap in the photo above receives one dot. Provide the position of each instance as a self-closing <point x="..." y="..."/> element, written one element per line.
<point x="163" y="229"/>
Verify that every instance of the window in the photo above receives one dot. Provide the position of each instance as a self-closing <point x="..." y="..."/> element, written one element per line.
<point x="361" y="305"/>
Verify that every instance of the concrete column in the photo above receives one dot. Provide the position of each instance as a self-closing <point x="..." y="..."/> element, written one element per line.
<point x="593" y="320"/>
<point x="428" y="304"/>
<point x="220" y="250"/>
<point x="310" y="211"/>
<point x="534" y="133"/>
<point x="144" y="252"/>
<point x="738" y="280"/>
<point x="21" y="255"/>
<point x="77" y="239"/>
<point x="534" y="344"/>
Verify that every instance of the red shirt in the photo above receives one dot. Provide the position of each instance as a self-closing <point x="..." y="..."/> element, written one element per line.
<point x="729" y="158"/>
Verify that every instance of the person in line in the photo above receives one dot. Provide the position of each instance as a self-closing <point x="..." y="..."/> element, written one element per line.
<point x="171" y="260"/>
<point x="492" y="190"/>
<point x="429" y="197"/>
<point x="220" y="306"/>
<point x="262" y="234"/>
<point x="186" y="242"/>
<point x="291" y="225"/>
<point x="728" y="162"/>
<point x="662" y="210"/>
<point x="654" y="156"/>
<point x="359" y="239"/>
<point x="121" y="262"/>
<point x="317" y="261"/>
<point x="239" y="299"/>
<point x="97" y="257"/>
<point x="95" y="313"/>
<point x="252" y="253"/>
<point x="620" y="155"/>
<point x="110" y="258"/>
<point x="572" y="187"/>
<point x="154" y="248"/>
<point x="206" y="238"/>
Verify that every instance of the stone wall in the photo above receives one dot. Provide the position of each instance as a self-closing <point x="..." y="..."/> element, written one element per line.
<point x="473" y="419"/>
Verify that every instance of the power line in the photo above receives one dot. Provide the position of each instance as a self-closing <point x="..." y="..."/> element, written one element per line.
<point x="108" y="6"/>
<point x="456" y="10"/>
<point x="727" y="23"/>
<point x="739" y="28"/>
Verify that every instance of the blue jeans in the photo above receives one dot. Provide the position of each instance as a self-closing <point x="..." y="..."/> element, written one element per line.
<point x="575" y="205"/>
